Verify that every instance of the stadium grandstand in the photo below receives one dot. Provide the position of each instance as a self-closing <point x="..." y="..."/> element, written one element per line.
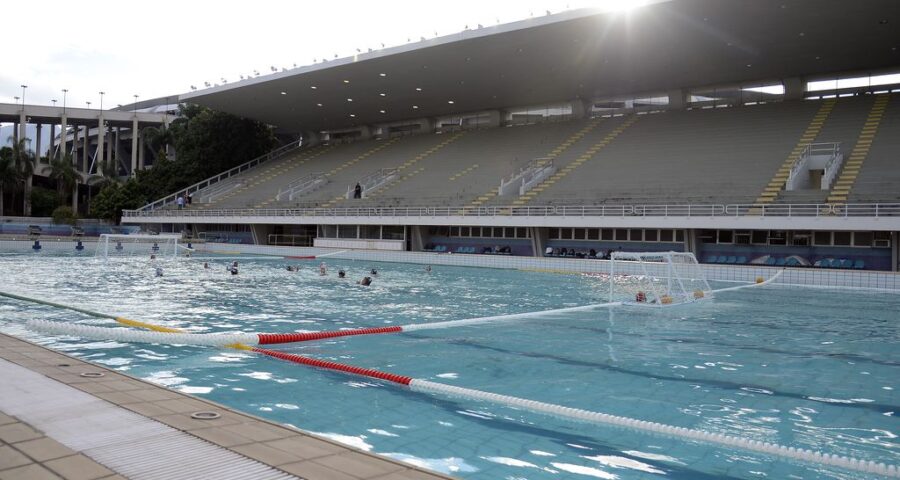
<point x="762" y="132"/>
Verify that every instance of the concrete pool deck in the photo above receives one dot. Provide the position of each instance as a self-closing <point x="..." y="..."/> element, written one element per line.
<point x="56" y="422"/>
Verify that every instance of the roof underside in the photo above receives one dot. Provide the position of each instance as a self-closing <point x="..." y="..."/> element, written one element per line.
<point x="579" y="54"/>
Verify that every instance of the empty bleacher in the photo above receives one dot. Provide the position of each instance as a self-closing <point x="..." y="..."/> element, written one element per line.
<point x="879" y="177"/>
<point x="700" y="156"/>
<point x="721" y="155"/>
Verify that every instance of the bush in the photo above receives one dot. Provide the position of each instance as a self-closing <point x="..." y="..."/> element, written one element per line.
<point x="64" y="216"/>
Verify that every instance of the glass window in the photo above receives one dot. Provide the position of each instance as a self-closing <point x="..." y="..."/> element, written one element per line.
<point x="777" y="237"/>
<point x="621" y="234"/>
<point x="593" y="234"/>
<point x="651" y="235"/>
<point x="822" y="238"/>
<point x="371" y="232"/>
<point x="521" y="232"/>
<point x="726" y="236"/>
<point x="565" y="233"/>
<point x="580" y="234"/>
<point x="842" y="238"/>
<point x="707" y="236"/>
<point x="465" y="231"/>
<point x="509" y="232"/>
<point x="393" y="232"/>
<point x="454" y="231"/>
<point x="759" y="237"/>
<point x="679" y="236"/>
<point x="606" y="234"/>
<point x="636" y="235"/>
<point x="330" y="231"/>
<point x="666" y="236"/>
<point x="862" y="239"/>
<point x="347" y="231"/>
<point x="553" y="234"/>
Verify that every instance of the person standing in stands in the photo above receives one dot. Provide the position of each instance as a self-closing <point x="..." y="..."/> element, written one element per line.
<point x="190" y="199"/>
<point x="180" y="202"/>
<point x="357" y="191"/>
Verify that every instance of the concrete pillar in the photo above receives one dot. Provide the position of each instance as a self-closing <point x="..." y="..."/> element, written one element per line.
<point x="86" y="154"/>
<point x="63" y="130"/>
<point x="101" y="141"/>
<point x="895" y="251"/>
<point x="677" y="99"/>
<point x="581" y="108"/>
<point x="37" y="145"/>
<point x="23" y="121"/>
<point x="134" y="147"/>
<point x="111" y="141"/>
<point x="50" y="155"/>
<point x="539" y="237"/>
<point x="495" y="118"/>
<point x="794" y="88"/>
<point x="75" y="146"/>
<point x="365" y="132"/>
<point x="140" y="151"/>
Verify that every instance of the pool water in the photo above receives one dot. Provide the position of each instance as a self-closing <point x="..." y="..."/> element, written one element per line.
<point x="809" y="368"/>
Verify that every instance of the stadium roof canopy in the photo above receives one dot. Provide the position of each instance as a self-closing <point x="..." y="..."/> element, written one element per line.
<point x="576" y="54"/>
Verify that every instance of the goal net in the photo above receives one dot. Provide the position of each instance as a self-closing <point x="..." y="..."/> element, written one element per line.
<point x="121" y="245"/>
<point x="656" y="278"/>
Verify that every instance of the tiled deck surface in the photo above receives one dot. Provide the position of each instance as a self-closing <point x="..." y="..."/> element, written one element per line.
<point x="26" y="453"/>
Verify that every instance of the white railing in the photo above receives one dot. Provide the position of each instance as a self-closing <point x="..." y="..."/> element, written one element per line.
<point x="373" y="180"/>
<point x="211" y="193"/>
<point x="527" y="177"/>
<point x="722" y="210"/>
<point x="169" y="200"/>
<point x="813" y="151"/>
<point x="304" y="184"/>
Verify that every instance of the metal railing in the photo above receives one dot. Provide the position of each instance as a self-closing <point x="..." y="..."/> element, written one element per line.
<point x="714" y="210"/>
<point x="527" y="176"/>
<point x="373" y="180"/>
<point x="162" y="202"/>
<point x="829" y="149"/>
<point x="302" y="185"/>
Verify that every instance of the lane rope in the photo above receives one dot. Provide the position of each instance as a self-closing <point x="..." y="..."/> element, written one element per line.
<point x="760" y="284"/>
<point x="239" y="341"/>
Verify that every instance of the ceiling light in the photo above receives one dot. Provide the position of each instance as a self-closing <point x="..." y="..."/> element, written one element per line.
<point x="346" y="81"/>
<point x="450" y="102"/>
<point x="382" y="111"/>
<point x="318" y="104"/>
<point x="353" y="115"/>
<point x="313" y="87"/>
<point x="415" y="107"/>
<point x="284" y="93"/>
<point x="382" y="74"/>
<point x="418" y="89"/>
<point x="349" y="99"/>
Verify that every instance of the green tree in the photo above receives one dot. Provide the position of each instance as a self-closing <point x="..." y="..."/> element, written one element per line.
<point x="24" y="163"/>
<point x="43" y="201"/>
<point x="115" y="197"/>
<point x="8" y="175"/>
<point x="66" y="176"/>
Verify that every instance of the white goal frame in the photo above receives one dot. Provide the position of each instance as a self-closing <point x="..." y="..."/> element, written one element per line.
<point x="656" y="279"/>
<point x="103" y="245"/>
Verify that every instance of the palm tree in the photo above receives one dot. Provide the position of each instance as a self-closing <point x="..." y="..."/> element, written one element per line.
<point x="67" y="178"/>
<point x="23" y="158"/>
<point x="8" y="177"/>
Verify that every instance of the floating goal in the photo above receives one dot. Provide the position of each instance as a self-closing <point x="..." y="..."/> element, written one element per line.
<point x="133" y="245"/>
<point x="656" y="279"/>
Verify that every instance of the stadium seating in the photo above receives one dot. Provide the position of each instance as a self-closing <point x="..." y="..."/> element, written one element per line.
<point x="700" y="156"/>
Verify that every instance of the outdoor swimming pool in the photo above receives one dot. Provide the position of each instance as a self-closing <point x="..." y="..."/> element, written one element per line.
<point x="809" y="368"/>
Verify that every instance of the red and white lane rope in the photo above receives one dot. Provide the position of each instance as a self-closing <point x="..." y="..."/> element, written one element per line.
<point x="767" y="448"/>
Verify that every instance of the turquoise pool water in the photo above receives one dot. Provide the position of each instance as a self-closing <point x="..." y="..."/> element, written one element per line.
<point x="809" y="368"/>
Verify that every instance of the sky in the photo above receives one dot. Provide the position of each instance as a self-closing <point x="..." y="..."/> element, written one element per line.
<point x="163" y="47"/>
